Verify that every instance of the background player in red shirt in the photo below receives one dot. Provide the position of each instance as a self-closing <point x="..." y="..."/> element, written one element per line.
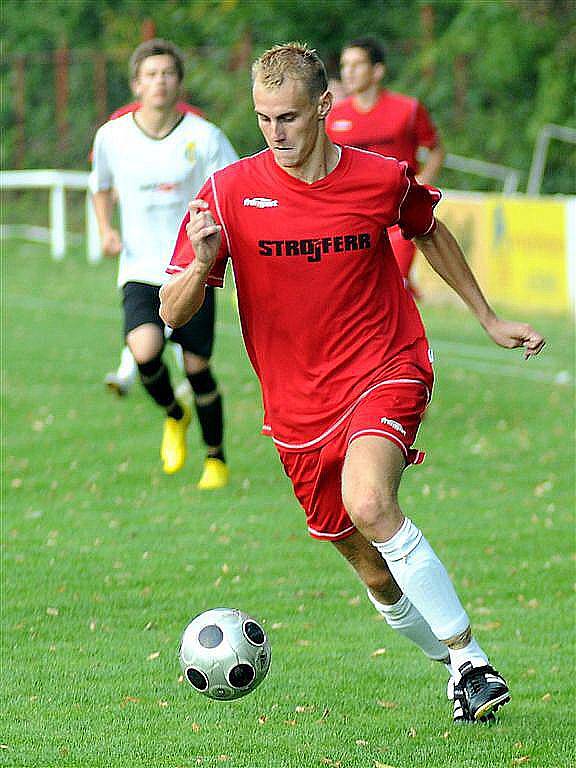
<point x="338" y="344"/>
<point x="379" y="120"/>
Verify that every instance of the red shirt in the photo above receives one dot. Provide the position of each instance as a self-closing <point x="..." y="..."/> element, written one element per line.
<point x="181" y="107"/>
<point x="395" y="126"/>
<point x="322" y="304"/>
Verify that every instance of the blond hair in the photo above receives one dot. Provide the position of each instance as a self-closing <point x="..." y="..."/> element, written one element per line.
<point x="293" y="60"/>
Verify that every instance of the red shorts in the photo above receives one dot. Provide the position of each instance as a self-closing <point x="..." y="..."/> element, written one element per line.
<point x="392" y="410"/>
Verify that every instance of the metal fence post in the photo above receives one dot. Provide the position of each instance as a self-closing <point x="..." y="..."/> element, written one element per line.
<point x="57" y="222"/>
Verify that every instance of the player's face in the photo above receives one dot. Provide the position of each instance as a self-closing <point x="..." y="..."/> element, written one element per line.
<point x="290" y="120"/>
<point x="157" y="84"/>
<point x="357" y="71"/>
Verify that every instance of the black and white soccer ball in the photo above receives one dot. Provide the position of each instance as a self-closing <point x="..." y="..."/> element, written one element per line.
<point x="224" y="654"/>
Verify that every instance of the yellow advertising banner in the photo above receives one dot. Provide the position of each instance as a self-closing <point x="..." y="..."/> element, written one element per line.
<point x="516" y="246"/>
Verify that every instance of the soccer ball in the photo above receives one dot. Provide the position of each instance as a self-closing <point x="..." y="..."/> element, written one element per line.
<point x="224" y="654"/>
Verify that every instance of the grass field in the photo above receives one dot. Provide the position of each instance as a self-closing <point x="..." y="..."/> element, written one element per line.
<point x="107" y="559"/>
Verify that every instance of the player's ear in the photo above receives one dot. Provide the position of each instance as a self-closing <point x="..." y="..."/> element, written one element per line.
<point x="325" y="105"/>
<point x="379" y="70"/>
<point x="135" y="85"/>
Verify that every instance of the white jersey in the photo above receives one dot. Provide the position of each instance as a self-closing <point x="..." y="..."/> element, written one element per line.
<point x="155" y="179"/>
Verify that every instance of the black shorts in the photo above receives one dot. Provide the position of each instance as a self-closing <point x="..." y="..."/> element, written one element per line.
<point x="141" y="304"/>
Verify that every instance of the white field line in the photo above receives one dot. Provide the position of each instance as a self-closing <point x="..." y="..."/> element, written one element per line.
<point x="472" y="357"/>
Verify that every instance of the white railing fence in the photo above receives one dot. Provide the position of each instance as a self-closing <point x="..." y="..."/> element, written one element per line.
<point x="57" y="182"/>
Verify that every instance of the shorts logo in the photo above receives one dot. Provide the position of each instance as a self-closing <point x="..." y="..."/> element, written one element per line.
<point x="190" y="152"/>
<point x="260" y="202"/>
<point x="394" y="424"/>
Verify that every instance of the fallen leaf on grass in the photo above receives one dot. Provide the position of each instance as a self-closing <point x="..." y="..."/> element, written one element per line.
<point x="378" y="652"/>
<point x="129" y="700"/>
<point x="262" y="719"/>
<point x="547" y="697"/>
<point x="52" y="611"/>
<point x="387" y="704"/>
<point x="153" y="655"/>
<point x="195" y="727"/>
<point x="382" y="765"/>
<point x="520" y="760"/>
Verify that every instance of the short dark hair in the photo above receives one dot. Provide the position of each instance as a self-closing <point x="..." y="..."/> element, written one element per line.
<point x="373" y="48"/>
<point x="156" y="47"/>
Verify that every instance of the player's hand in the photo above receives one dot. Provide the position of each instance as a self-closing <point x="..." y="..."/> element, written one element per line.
<point x="111" y="242"/>
<point x="510" y="334"/>
<point x="203" y="232"/>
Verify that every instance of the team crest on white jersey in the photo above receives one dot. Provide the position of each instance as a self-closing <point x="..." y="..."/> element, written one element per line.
<point x="260" y="202"/>
<point x="341" y="125"/>
<point x="190" y="152"/>
<point x="394" y="424"/>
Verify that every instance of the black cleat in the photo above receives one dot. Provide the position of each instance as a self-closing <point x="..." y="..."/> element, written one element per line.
<point x="460" y="711"/>
<point x="483" y="691"/>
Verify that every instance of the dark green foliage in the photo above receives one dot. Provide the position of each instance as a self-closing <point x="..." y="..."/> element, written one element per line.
<point x="515" y="59"/>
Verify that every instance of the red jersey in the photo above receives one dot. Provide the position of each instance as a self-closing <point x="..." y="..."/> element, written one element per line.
<point x="395" y="126"/>
<point x="181" y="107"/>
<point x="322" y="305"/>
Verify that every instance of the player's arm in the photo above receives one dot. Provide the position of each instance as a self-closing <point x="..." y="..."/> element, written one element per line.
<point x="103" y="202"/>
<point x="445" y="256"/>
<point x="433" y="163"/>
<point x="183" y="295"/>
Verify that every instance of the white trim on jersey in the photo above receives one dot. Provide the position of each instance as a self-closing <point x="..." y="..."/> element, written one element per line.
<point x="347" y="412"/>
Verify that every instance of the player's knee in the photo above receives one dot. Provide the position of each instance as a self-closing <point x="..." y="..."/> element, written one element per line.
<point x="371" y="507"/>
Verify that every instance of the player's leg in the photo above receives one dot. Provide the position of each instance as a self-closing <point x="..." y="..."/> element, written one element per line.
<point x="182" y="386"/>
<point x="316" y="479"/>
<point x="387" y="597"/>
<point x="121" y="380"/>
<point x="370" y="481"/>
<point x="145" y="338"/>
<point x="197" y="338"/>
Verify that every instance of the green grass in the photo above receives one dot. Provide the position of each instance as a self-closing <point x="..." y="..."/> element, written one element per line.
<point x="107" y="559"/>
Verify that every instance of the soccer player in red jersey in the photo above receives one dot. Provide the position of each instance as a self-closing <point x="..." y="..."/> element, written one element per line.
<point x="338" y="344"/>
<point x="379" y="120"/>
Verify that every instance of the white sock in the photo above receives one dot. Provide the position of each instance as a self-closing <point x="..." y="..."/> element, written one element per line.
<point x="424" y="580"/>
<point x="127" y="368"/>
<point x="178" y="356"/>
<point x="405" y="619"/>
<point x="472" y="653"/>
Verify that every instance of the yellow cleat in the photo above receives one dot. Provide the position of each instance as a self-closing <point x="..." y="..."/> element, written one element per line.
<point x="173" y="450"/>
<point x="215" y="475"/>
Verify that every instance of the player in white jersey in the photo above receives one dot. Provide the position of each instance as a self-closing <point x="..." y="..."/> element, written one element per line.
<point x="156" y="159"/>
